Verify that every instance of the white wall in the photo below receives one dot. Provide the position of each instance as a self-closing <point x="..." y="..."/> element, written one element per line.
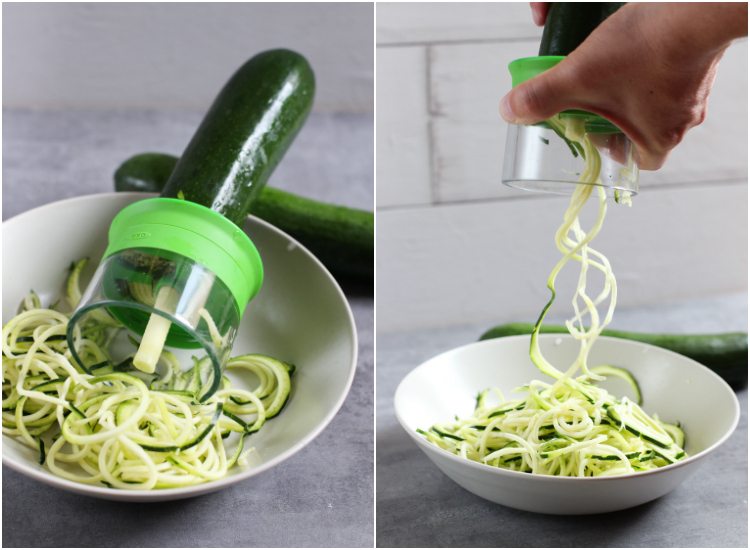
<point x="177" y="55"/>
<point x="456" y="246"/>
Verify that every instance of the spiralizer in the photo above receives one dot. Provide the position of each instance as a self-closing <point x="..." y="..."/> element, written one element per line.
<point x="179" y="270"/>
<point x="177" y="274"/>
<point x="550" y="156"/>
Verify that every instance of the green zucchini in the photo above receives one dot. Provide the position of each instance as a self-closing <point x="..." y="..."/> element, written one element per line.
<point x="244" y="135"/>
<point x="147" y="173"/>
<point x="725" y="354"/>
<point x="568" y="24"/>
<point x="342" y="238"/>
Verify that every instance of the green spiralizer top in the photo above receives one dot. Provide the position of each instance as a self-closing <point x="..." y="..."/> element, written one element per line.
<point x="195" y="232"/>
<point x="527" y="68"/>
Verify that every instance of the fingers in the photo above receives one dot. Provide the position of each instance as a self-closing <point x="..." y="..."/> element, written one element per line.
<point x="539" y="12"/>
<point x="614" y="146"/>
<point x="539" y="98"/>
<point x="647" y="160"/>
<point x="554" y="91"/>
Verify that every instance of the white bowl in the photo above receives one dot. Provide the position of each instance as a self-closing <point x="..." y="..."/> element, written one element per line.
<point x="675" y="387"/>
<point x="300" y="316"/>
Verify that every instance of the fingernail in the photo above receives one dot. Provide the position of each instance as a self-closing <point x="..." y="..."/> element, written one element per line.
<point x="505" y="110"/>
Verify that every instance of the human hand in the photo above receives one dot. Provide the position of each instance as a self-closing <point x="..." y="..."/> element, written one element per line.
<point x="648" y="68"/>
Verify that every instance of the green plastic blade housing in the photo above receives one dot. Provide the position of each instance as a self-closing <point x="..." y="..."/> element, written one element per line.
<point x="527" y="68"/>
<point x="196" y="232"/>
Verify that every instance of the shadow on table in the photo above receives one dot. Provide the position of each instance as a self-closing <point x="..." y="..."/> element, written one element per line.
<point x="356" y="287"/>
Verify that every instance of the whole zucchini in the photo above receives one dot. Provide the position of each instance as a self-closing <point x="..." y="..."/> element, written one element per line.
<point x="342" y="238"/>
<point x="245" y="133"/>
<point x="725" y="354"/>
<point x="568" y="24"/>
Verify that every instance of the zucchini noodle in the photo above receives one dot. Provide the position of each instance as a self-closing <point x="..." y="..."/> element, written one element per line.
<point x="569" y="427"/>
<point x="114" y="428"/>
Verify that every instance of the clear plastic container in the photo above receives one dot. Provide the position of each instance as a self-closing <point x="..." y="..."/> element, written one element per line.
<point x="538" y="159"/>
<point x="177" y="276"/>
<point x="133" y="284"/>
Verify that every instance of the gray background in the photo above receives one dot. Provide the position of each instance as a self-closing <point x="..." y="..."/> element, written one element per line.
<point x="68" y="125"/>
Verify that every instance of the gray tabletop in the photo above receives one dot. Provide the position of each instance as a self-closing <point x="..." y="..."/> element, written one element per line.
<point x="419" y="506"/>
<point x="323" y="495"/>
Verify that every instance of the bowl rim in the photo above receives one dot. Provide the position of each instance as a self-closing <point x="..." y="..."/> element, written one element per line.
<point x="36" y="472"/>
<point x="491" y="470"/>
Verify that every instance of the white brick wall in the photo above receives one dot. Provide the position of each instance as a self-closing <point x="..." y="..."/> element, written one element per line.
<point x="402" y="140"/>
<point x="455" y="246"/>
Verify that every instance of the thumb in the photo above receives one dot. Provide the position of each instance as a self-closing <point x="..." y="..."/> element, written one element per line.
<point x="537" y="99"/>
